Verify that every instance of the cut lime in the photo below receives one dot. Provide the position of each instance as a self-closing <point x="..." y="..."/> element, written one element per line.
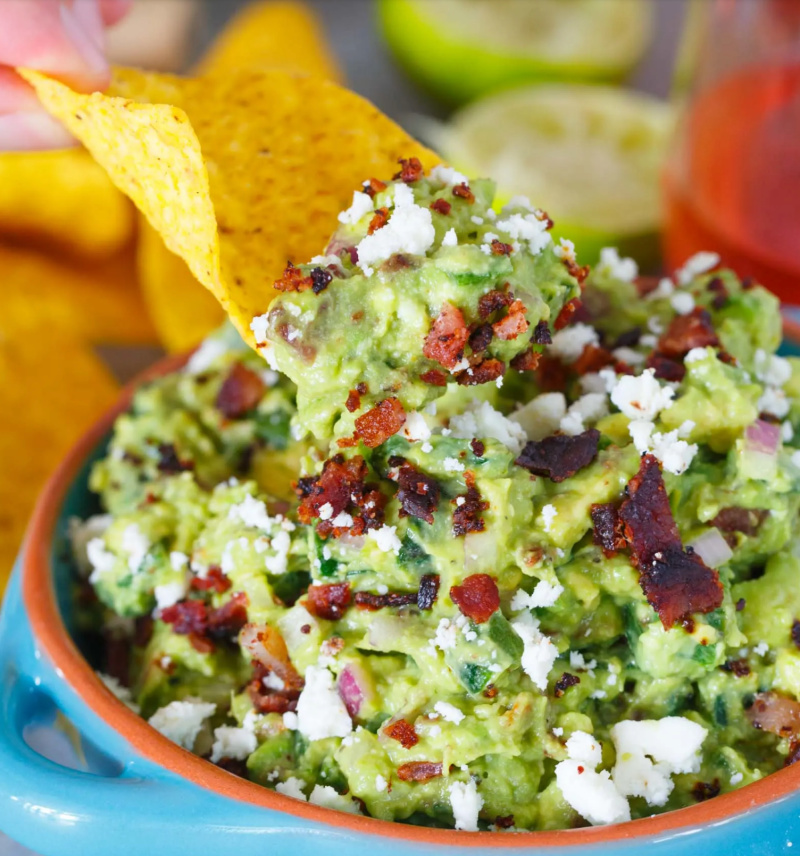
<point x="588" y="155"/>
<point x="462" y="49"/>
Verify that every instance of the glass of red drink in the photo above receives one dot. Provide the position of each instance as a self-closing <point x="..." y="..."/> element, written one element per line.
<point x="732" y="183"/>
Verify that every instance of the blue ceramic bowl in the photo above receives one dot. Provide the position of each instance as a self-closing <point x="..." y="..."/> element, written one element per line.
<point x="138" y="792"/>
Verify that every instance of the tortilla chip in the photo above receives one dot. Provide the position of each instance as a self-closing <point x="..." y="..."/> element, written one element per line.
<point x="98" y="302"/>
<point x="183" y="312"/>
<point x="279" y="34"/>
<point x="240" y="173"/>
<point x="55" y="387"/>
<point x="63" y="199"/>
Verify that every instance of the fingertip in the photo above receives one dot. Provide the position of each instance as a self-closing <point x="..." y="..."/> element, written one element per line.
<point x="33" y="131"/>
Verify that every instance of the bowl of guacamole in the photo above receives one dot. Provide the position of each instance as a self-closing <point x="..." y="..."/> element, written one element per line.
<point x="480" y="539"/>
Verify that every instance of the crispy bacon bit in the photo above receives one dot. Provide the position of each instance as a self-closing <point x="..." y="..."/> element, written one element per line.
<point x="628" y="339"/>
<point x="188" y="616"/>
<point x="505" y="822"/>
<point x="676" y="583"/>
<point x="378" y="424"/>
<point x="795" y="633"/>
<point x="434" y="378"/>
<point x="353" y="401"/>
<point x="739" y="668"/>
<point x="607" y="528"/>
<point x="703" y="791"/>
<point x="566" y="313"/>
<point x="446" y="338"/>
<point x="268" y="700"/>
<point x="478" y="447"/>
<point x="580" y="272"/>
<point x="559" y="457"/>
<point x="492" y="301"/>
<point x="665" y="368"/>
<point x="428" y="591"/>
<point x="686" y="332"/>
<point x="320" y="279"/>
<point x="480" y="338"/>
<point x="736" y="519"/>
<point x="718" y="288"/>
<point x="775" y="713"/>
<point x="468" y="515"/>
<point x="462" y="191"/>
<point x="477" y="597"/>
<point x="501" y="249"/>
<point x="541" y="334"/>
<point x="418" y="494"/>
<point x="379" y="219"/>
<point x="292" y="279"/>
<point x="527" y="361"/>
<point x="410" y="170"/>
<point x="403" y="732"/>
<point x="201" y="644"/>
<point x="441" y="206"/>
<point x="214" y="580"/>
<point x="592" y="359"/>
<point x="228" y="619"/>
<point x="419" y="771"/>
<point x="373" y="602"/>
<point x="485" y="371"/>
<point x="490" y="691"/>
<point x="514" y="324"/>
<point x="564" y="683"/>
<point x="551" y="374"/>
<point x="169" y="462"/>
<point x="328" y="601"/>
<point x="373" y="186"/>
<point x="240" y="392"/>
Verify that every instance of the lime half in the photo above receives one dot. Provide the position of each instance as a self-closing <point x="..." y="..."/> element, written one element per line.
<point x="588" y="155"/>
<point x="462" y="49"/>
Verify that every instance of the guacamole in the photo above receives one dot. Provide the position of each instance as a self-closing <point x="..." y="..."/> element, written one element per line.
<point x="493" y="543"/>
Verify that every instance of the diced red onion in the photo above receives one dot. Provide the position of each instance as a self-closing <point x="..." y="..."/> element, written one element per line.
<point x="762" y="437"/>
<point x="354" y="687"/>
<point x="712" y="548"/>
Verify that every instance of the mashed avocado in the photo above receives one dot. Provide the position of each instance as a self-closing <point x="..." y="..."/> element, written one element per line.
<point x="492" y="557"/>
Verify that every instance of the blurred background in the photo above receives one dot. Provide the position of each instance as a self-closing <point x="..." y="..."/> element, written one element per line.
<point x="663" y="127"/>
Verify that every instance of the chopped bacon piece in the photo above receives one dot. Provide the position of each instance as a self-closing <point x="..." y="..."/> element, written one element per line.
<point x="292" y="279"/>
<point x="434" y="378"/>
<point x="320" y="279"/>
<point x="441" y="206"/>
<point x="269" y="700"/>
<point x="468" y="514"/>
<point x="240" y="392"/>
<point x="477" y="597"/>
<point x="686" y="332"/>
<point x="379" y="219"/>
<point x="446" y="338"/>
<point x="551" y="374"/>
<point x="607" y="528"/>
<point x="373" y="186"/>
<point x="353" y="401"/>
<point x="775" y="713"/>
<point x="505" y="822"/>
<point x="462" y="191"/>
<point x="665" y="368"/>
<point x="418" y="495"/>
<point x="373" y="602"/>
<point x="738" y="668"/>
<point x="492" y="301"/>
<point x="214" y="580"/>
<point x="676" y="583"/>
<point x="592" y="359"/>
<point x="378" y="424"/>
<point x="485" y="371"/>
<point x="228" y="619"/>
<point x="564" y="683"/>
<point x="559" y="457"/>
<point x="188" y="616"/>
<point x="403" y="732"/>
<point x="328" y="601"/>
<point x="718" y="288"/>
<point x="514" y="324"/>
<point x="541" y="334"/>
<point x="580" y="272"/>
<point x="481" y="337"/>
<point x="428" y="591"/>
<point x="410" y="170"/>
<point x="419" y="771"/>
<point x="736" y="519"/>
<point x="703" y="791"/>
<point x="501" y="249"/>
<point x="478" y="447"/>
<point x="566" y="313"/>
<point x="169" y="462"/>
<point x="201" y="644"/>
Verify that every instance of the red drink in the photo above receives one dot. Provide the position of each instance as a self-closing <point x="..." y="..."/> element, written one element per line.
<point x="733" y="186"/>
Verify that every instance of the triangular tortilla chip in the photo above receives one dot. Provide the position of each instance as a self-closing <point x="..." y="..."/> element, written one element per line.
<point x="238" y="174"/>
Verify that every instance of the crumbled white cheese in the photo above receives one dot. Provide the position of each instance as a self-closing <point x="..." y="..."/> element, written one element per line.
<point x="772" y="369"/>
<point x="234" y="743"/>
<point x="761" y="649"/>
<point x="446" y="635"/>
<point x="526" y="227"/>
<point x="168" y="594"/>
<point x="273" y="681"/>
<point x="582" y="746"/>
<point x="386" y="539"/>
<point x="697" y="354"/>
<point x="649" y="751"/>
<point x="100" y="558"/>
<point x="362" y="205"/>
<point x="588" y="408"/>
<point x="177" y="560"/>
<point x="452" y="465"/>
<point x="181" y="721"/>
<point x="342" y="520"/>
<point x="548" y="515"/>
<point x="205" y="356"/>
<point x="787" y="431"/>
<point x="122" y="693"/>
<point x="252" y="512"/>
<point x="545" y="594"/>
<point x="380" y="783"/>
<point x="642" y="396"/>
<point x="664" y="289"/>
<point x="568" y="344"/>
<point x="292" y="787"/>
<point x="774" y="401"/>
<point x="450" y="238"/>
<point x="542" y="415"/>
<point x="682" y="302"/>
<point x="736" y="778"/>
<point x="415" y="427"/>
<point x="628" y="355"/>
<point x="620" y="268"/>
<point x="447" y="175"/>
<point x="478" y="221"/>
<point x="466" y="803"/>
<point x="321" y="712"/>
<point x="674" y="454"/>
<point x="481" y="420"/>
<point x="565" y="250"/>
<point x="699" y="263"/>
<point x="327" y="797"/>
<point x="325" y="511"/>
<point x="279" y="563"/>
<point x="136" y="544"/>
<point x="449" y="712"/>
<point x="539" y="653"/>
<point x="290" y="722"/>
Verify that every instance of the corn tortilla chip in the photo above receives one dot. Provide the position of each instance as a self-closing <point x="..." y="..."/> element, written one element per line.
<point x="238" y="174"/>
<point x="55" y="387"/>
<point x="275" y="34"/>
<point x="63" y="199"/>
